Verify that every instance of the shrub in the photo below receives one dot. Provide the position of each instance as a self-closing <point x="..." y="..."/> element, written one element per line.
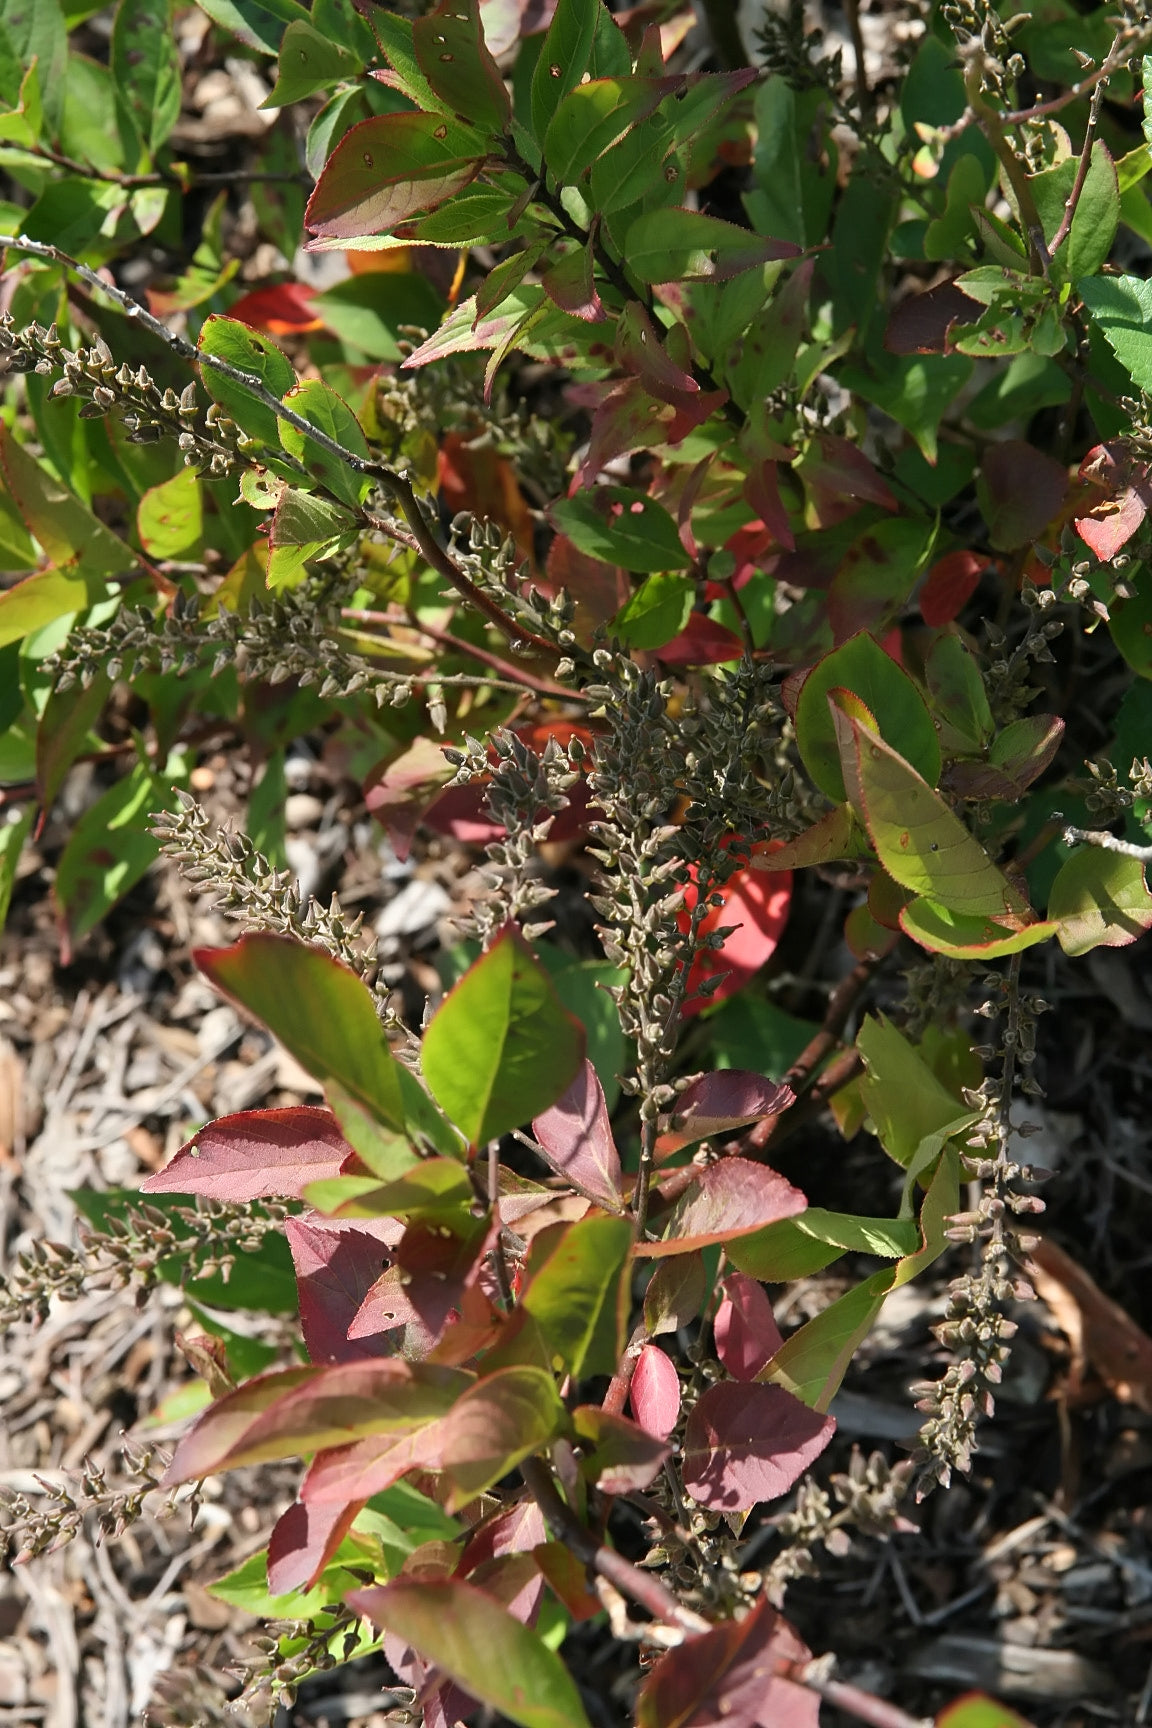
<point x="728" y="516"/>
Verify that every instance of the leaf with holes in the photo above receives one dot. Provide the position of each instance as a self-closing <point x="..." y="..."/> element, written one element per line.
<point x="336" y="1265"/>
<point x="387" y="170"/>
<point x="451" y="52"/>
<point x="255" y="1154"/>
<point x="247" y="351"/>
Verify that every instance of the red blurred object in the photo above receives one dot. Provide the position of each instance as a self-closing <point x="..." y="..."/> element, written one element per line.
<point x="758" y="904"/>
<point x="949" y="586"/>
<point x="283" y="310"/>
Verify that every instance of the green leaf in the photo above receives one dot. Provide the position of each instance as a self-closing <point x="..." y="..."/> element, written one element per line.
<point x="643" y="161"/>
<point x="427" y="1187"/>
<point x="501" y="1048"/>
<point x="798" y="1247"/>
<point x="794" y="184"/>
<point x="1094" y="224"/>
<point x="318" y="1009"/>
<point x="1121" y="306"/>
<point x="592" y="117"/>
<point x="170" y="517"/>
<point x="387" y="170"/>
<point x="658" y="611"/>
<point x="947" y="236"/>
<point x="12" y="838"/>
<point x="908" y="1104"/>
<point x="64" y="730"/>
<point x="861" y="665"/>
<point x="257" y="23"/>
<point x="915" y="390"/>
<point x="563" y="59"/>
<point x="451" y="52"/>
<point x="583" y="986"/>
<point x="246" y="1587"/>
<point x="919" y="841"/>
<point x="813" y="1360"/>
<point x="621" y="526"/>
<point x="479" y="1645"/>
<point x="959" y="699"/>
<point x="686" y="246"/>
<point x="265" y="821"/>
<point x="304" y="526"/>
<point x="975" y="1710"/>
<point x="315" y="402"/>
<point x="509" y="1415"/>
<point x="251" y="352"/>
<point x="579" y="1295"/>
<point x="965" y="937"/>
<point x="387" y="1154"/>
<point x="1099" y="900"/>
<point x="108" y="851"/>
<point x="309" y="62"/>
<point x="145" y="63"/>
<point x="67" y="530"/>
<point x="41" y="599"/>
<point x="37" y="30"/>
<point x="368" y="312"/>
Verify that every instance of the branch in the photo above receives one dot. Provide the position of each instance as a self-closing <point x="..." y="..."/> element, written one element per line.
<point x="397" y="484"/>
<point x="1074" y="196"/>
<point x="1107" y="842"/>
<point x="178" y="182"/>
<point x="865" y="1706"/>
<point x="800" y="1076"/>
<point x="515" y="674"/>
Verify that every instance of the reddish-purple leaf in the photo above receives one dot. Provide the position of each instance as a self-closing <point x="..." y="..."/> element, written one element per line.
<point x="568" y="1578"/>
<point x="732" y="1677"/>
<point x="731" y="1198"/>
<point x="339" y="1474"/>
<point x="624" y="419"/>
<point x="386" y="170"/>
<point x="308" y="1409"/>
<point x="919" y="325"/>
<point x="655" y="1392"/>
<point x="576" y="1138"/>
<point x="1020" y="491"/>
<point x="1017" y="756"/>
<point x="255" y="1154"/>
<point x="949" y="586"/>
<point x="762" y="491"/>
<point x="839" y="478"/>
<point x="620" y="1456"/>
<point x="302" y="1543"/>
<point x="745" y="1329"/>
<point x="434" y="1264"/>
<point x="513" y="1529"/>
<point x="744" y="1444"/>
<point x="718" y="1102"/>
<point x="337" y="1263"/>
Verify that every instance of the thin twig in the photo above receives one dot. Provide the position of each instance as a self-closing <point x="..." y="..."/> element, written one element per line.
<point x="1074" y="196"/>
<point x="517" y="674"/>
<point x="177" y="182"/>
<point x="800" y="1077"/>
<point x="1107" y="842"/>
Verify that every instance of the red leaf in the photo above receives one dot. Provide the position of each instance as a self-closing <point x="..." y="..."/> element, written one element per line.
<point x="1124" y="492"/>
<point x="598" y="589"/>
<point x="714" y="1104"/>
<point x="255" y="1154"/>
<point x="339" y="1474"/>
<point x="337" y="1262"/>
<point x="283" y="310"/>
<point x="702" y="642"/>
<point x="731" y="1198"/>
<point x="514" y="1529"/>
<point x="745" y="1444"/>
<point x="568" y="1578"/>
<point x="625" y="419"/>
<point x="747" y="1336"/>
<point x="570" y="283"/>
<point x="624" y="1457"/>
<point x="655" y="1392"/>
<point x="576" y="1138"/>
<point x="302" y="1543"/>
<point x="762" y="492"/>
<point x="399" y="791"/>
<point x="386" y="170"/>
<point x="1021" y="491"/>
<point x="758" y="905"/>
<point x="949" y="586"/>
<point x="732" y="1676"/>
